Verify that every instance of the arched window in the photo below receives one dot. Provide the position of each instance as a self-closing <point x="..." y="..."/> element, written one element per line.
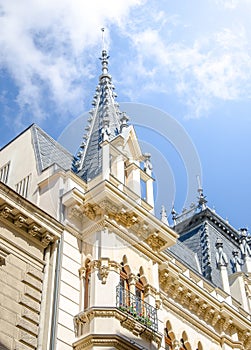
<point x="124" y="294"/>
<point x="168" y="340"/>
<point x="199" y="346"/>
<point x="183" y="347"/>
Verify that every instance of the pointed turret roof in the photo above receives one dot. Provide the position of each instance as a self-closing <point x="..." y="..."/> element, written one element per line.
<point x="104" y="124"/>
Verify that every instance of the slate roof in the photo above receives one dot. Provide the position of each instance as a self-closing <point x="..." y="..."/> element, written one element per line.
<point x="104" y="124"/>
<point x="186" y="255"/>
<point x="48" y="151"/>
<point x="199" y="234"/>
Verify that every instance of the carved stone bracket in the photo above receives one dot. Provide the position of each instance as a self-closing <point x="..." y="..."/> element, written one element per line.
<point x="5" y="211"/>
<point x="209" y="314"/>
<point x="34" y="230"/>
<point x="193" y="302"/>
<point x="216" y="318"/>
<point x="155" y="242"/>
<point x="47" y="239"/>
<point x="20" y="221"/>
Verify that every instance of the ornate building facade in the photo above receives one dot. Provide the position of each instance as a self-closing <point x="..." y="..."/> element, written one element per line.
<point x="86" y="264"/>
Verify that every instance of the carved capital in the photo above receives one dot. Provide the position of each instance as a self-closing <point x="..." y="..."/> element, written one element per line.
<point x="248" y="343"/>
<point x="224" y="323"/>
<point x="164" y="278"/>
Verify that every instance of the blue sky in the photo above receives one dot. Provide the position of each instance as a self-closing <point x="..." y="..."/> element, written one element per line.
<point x="190" y="59"/>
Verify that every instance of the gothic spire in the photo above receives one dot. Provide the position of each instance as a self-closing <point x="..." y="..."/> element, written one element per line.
<point x="104" y="124"/>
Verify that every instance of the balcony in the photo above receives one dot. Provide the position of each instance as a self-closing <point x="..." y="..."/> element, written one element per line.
<point x="141" y="311"/>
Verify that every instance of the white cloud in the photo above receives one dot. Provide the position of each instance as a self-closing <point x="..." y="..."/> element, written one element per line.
<point x="43" y="47"/>
<point x="47" y="47"/>
<point x="214" y="67"/>
<point x="232" y="4"/>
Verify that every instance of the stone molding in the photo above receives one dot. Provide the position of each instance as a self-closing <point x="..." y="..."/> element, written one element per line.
<point x="107" y="207"/>
<point x="27" y="219"/>
<point x="3" y="255"/>
<point x="127" y="321"/>
<point x="223" y="319"/>
<point x="110" y="340"/>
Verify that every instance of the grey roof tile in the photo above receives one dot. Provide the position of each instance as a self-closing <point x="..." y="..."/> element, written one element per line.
<point x="48" y="151"/>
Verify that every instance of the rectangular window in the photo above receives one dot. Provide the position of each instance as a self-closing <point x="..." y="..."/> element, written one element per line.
<point x="22" y="186"/>
<point x="4" y="173"/>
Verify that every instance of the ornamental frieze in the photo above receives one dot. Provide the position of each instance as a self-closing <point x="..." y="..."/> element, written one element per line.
<point x="176" y="289"/>
<point x="26" y="225"/>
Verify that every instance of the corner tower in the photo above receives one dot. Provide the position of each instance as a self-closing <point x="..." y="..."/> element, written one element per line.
<point x="110" y="148"/>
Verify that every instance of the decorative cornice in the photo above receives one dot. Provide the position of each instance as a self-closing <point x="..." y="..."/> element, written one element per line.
<point x="185" y="295"/>
<point x="126" y="320"/>
<point x="107" y="206"/>
<point x="26" y="218"/>
<point x="108" y="340"/>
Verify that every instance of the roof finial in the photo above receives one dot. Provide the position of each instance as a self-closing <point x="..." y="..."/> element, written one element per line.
<point x="104" y="58"/>
<point x="174" y="215"/>
<point x="201" y="199"/>
<point x="163" y="214"/>
<point x="103" y="38"/>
